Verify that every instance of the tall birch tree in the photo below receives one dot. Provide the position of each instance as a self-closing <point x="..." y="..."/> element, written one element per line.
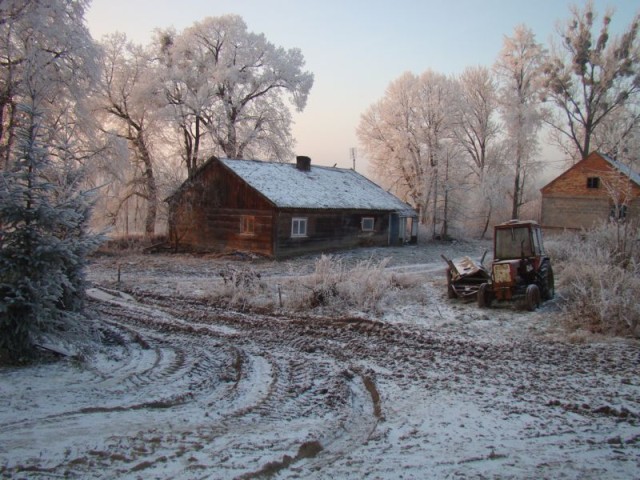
<point x="405" y="134"/>
<point x="129" y="100"/>
<point x="389" y="134"/>
<point x="518" y="68"/>
<point x="477" y="132"/>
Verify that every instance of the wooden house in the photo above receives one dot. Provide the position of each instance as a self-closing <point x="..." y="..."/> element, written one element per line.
<point x="593" y="190"/>
<point x="284" y="209"/>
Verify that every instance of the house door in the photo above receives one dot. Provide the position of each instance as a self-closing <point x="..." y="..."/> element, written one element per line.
<point x="394" y="229"/>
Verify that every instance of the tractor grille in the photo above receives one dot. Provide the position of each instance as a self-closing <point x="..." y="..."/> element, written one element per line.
<point x="502" y="273"/>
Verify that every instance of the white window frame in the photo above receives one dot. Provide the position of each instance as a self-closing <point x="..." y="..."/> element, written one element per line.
<point x="366" y="220"/>
<point x="299" y="227"/>
<point x="247" y="225"/>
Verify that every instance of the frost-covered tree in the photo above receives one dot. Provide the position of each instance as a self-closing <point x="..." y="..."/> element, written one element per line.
<point x="518" y="69"/>
<point x="53" y="30"/>
<point x="227" y="90"/>
<point x="477" y="132"/>
<point x="476" y="128"/>
<point x="47" y="64"/>
<point x="43" y="243"/>
<point x="129" y="96"/>
<point x="406" y="135"/>
<point x="590" y="76"/>
<point x="388" y="134"/>
<point x="619" y="135"/>
<point x="435" y="97"/>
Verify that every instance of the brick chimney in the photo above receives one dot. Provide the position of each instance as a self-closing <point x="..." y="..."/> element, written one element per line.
<point x="303" y="163"/>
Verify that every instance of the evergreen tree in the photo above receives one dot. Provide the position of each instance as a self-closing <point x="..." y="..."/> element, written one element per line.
<point x="43" y="244"/>
<point x="46" y="137"/>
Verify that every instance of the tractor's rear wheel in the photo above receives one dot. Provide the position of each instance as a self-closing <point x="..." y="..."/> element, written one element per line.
<point x="532" y="297"/>
<point x="484" y="296"/>
<point x="547" y="283"/>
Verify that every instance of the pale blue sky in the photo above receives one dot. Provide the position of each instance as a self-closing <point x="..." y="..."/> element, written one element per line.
<point x="356" y="48"/>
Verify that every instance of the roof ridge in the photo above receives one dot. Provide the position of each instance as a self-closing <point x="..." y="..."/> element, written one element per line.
<point x="275" y="162"/>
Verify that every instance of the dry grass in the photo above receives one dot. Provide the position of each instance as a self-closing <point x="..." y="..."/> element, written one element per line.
<point x="332" y="286"/>
<point x="600" y="279"/>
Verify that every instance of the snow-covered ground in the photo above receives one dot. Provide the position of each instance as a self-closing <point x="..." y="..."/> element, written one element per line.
<point x="429" y="388"/>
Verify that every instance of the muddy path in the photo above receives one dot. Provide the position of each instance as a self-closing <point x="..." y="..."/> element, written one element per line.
<point x="184" y="389"/>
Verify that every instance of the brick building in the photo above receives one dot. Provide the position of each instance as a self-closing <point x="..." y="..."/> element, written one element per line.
<point x="591" y="191"/>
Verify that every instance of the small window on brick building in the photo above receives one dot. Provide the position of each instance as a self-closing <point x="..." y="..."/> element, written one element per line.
<point x="593" y="182"/>
<point x="247" y="225"/>
<point x="618" y="212"/>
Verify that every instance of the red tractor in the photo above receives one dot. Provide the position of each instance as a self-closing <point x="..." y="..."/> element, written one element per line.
<point x="520" y="267"/>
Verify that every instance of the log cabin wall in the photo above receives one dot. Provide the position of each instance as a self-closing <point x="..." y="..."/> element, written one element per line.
<point x="219" y="212"/>
<point x="329" y="230"/>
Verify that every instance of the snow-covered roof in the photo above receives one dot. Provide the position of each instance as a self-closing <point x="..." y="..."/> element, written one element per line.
<point x="318" y="188"/>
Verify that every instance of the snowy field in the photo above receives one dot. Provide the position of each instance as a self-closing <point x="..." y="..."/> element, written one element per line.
<point x="426" y="388"/>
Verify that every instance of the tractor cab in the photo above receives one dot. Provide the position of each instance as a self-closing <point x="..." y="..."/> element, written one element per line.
<point x="517" y="240"/>
<point x="520" y="266"/>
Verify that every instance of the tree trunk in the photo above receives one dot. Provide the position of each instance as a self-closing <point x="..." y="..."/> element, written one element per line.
<point x="444" y="232"/>
<point x="486" y="223"/>
<point x="516" y="184"/>
<point x="435" y="202"/>
<point x="150" y="186"/>
<point x="230" y="148"/>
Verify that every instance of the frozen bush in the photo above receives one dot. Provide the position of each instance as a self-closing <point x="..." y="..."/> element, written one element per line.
<point x="242" y="288"/>
<point x="332" y="286"/>
<point x="363" y="286"/>
<point x="600" y="278"/>
<point x="367" y="284"/>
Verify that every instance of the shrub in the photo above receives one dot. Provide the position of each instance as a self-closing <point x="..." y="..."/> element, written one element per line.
<point x="332" y="285"/>
<point x="242" y="288"/>
<point x="600" y="278"/>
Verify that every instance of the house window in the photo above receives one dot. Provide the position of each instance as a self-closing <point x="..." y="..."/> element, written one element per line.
<point x="618" y="212"/>
<point x="247" y="225"/>
<point x="368" y="224"/>
<point x="593" y="182"/>
<point x="298" y="227"/>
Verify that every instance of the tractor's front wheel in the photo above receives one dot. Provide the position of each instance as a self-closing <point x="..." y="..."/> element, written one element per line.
<point x="484" y="296"/>
<point x="532" y="297"/>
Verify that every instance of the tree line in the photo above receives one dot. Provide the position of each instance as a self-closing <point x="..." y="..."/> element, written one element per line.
<point x="466" y="149"/>
<point x="214" y="88"/>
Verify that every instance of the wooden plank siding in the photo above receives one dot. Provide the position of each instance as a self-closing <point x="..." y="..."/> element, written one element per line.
<point x="207" y="216"/>
<point x="219" y="210"/>
<point x="327" y="231"/>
